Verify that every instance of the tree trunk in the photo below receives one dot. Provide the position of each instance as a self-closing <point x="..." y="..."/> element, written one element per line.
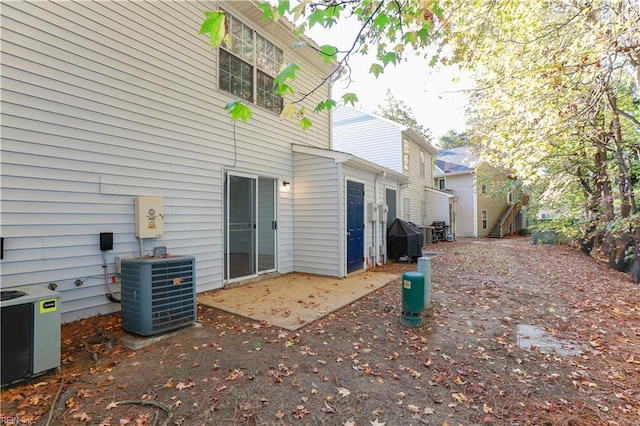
<point x="625" y="185"/>
<point x="635" y="264"/>
<point x="603" y="186"/>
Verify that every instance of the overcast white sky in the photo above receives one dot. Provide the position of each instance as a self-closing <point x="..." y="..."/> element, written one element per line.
<point x="437" y="102"/>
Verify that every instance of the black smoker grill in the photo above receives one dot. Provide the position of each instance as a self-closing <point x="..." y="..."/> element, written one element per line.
<point x="404" y="239"/>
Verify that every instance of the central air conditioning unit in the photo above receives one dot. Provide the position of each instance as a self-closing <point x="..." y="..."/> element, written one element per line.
<point x="158" y="294"/>
<point x="30" y="335"/>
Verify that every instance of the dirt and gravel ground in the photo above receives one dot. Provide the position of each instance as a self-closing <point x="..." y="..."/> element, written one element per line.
<point x="362" y="366"/>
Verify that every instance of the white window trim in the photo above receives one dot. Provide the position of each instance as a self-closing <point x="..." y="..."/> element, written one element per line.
<point x="253" y="64"/>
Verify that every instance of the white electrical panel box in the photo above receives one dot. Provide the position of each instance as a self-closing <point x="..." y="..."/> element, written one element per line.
<point x="382" y="212"/>
<point x="371" y="211"/>
<point x="149" y="217"/>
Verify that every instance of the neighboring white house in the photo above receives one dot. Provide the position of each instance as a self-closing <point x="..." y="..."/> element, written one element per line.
<point x="104" y="102"/>
<point x="399" y="148"/>
<point x="478" y="210"/>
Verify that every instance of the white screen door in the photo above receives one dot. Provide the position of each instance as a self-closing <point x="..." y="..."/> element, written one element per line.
<point x="250" y="226"/>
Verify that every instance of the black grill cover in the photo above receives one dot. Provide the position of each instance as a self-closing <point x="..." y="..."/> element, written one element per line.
<point x="404" y="239"/>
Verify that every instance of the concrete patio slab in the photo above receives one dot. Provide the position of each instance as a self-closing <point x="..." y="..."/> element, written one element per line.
<point x="294" y="300"/>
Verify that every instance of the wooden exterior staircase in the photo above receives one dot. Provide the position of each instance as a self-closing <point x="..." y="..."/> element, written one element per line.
<point x="506" y="220"/>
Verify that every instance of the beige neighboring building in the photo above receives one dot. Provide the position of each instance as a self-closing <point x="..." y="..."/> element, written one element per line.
<point x="483" y="208"/>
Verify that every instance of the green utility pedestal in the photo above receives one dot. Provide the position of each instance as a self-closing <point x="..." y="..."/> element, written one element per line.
<point x="412" y="299"/>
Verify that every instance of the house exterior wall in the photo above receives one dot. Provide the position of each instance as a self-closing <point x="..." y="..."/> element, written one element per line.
<point x="471" y="201"/>
<point x="321" y="216"/>
<point x="463" y="187"/>
<point x="368" y="137"/>
<point x="375" y="229"/>
<point x="317" y="213"/>
<point x="418" y="180"/>
<point x="380" y="141"/>
<point x="105" y="101"/>
<point x="494" y="210"/>
<point x="437" y="207"/>
<point x="493" y="203"/>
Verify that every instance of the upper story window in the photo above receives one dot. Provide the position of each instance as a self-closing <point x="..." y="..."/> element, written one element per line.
<point x="484" y="188"/>
<point x="423" y="164"/>
<point x="440" y="184"/>
<point x="405" y="155"/>
<point x="248" y="66"/>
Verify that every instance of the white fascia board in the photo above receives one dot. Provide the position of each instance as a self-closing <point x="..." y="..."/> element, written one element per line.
<point x="441" y="174"/>
<point x="350" y="160"/>
<point x="438" y="192"/>
<point x="337" y="156"/>
<point x="368" y="166"/>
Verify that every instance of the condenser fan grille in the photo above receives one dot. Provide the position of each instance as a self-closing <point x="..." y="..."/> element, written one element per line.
<point x="158" y="294"/>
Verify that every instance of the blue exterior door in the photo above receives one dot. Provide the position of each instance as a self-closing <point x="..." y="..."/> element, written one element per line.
<point x="355" y="226"/>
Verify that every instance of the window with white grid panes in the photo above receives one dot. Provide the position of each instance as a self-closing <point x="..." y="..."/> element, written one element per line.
<point x="249" y="65"/>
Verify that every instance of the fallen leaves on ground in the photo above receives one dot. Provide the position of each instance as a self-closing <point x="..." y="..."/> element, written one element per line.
<point x="362" y="366"/>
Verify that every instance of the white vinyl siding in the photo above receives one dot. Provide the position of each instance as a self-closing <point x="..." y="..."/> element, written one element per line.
<point x="406" y="156"/>
<point x="416" y="188"/>
<point x="104" y="101"/>
<point x="368" y="137"/>
<point x="437" y="207"/>
<point x="320" y="208"/>
<point x="390" y="145"/>
<point x="317" y="215"/>
<point x="406" y="209"/>
<point x="462" y="186"/>
<point x="286" y="231"/>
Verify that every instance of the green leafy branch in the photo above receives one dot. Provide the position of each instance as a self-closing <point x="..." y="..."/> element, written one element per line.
<point x="381" y="22"/>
